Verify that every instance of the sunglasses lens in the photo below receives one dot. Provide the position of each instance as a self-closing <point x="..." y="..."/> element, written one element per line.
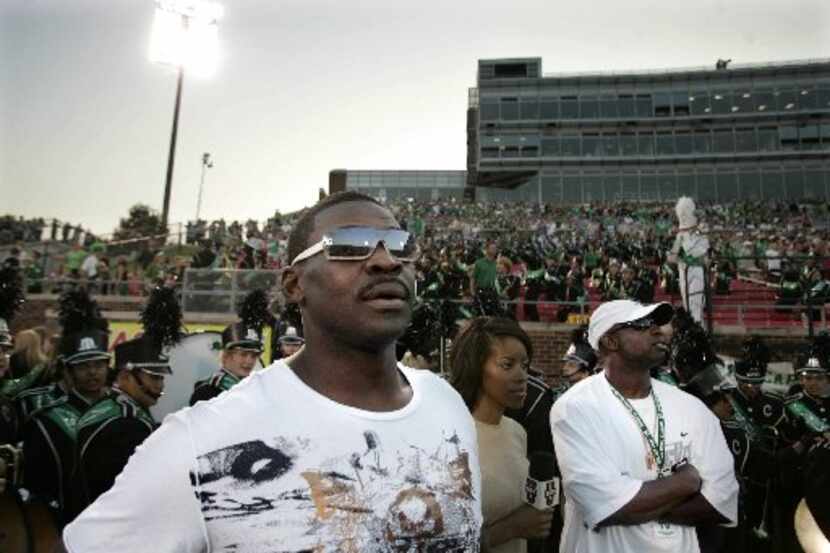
<point x="360" y="242"/>
<point x="400" y="243"/>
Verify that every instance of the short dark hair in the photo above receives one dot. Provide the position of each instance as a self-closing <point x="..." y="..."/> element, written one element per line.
<point x="298" y="239"/>
<point x="471" y="348"/>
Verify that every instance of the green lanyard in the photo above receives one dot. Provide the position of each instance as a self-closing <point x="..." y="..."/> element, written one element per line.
<point x="658" y="447"/>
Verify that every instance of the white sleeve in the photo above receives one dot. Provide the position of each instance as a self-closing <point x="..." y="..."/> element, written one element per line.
<point x="151" y="506"/>
<point x="713" y="460"/>
<point x="596" y="486"/>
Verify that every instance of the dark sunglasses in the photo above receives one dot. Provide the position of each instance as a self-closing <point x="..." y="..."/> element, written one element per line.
<point x="644" y="323"/>
<point x="358" y="243"/>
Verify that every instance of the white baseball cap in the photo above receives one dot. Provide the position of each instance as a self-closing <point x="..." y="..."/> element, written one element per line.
<point x="612" y="313"/>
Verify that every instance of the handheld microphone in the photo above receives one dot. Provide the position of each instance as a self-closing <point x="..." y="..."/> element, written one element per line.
<point x="542" y="486"/>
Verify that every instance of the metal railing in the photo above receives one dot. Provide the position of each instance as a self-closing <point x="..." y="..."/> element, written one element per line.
<point x="221" y="290"/>
<point x="692" y="69"/>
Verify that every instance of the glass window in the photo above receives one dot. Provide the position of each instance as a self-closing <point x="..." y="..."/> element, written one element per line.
<point x="772" y="185"/>
<point x="588" y="107"/>
<point x="530" y="108"/>
<point x="767" y="139"/>
<point x="743" y="101"/>
<point x="750" y="185"/>
<point x="686" y="185"/>
<point x="721" y="102"/>
<point x="489" y="111"/>
<point x="823" y="96"/>
<point x="706" y="186"/>
<point x="786" y="99"/>
<point x="644" y="107"/>
<point x="511" y="140"/>
<point x="509" y="109"/>
<point x="645" y="141"/>
<point x="630" y="187"/>
<point x="666" y="186"/>
<point x="809" y="137"/>
<point x="530" y="151"/>
<point x="724" y="141"/>
<point x="745" y="140"/>
<point x="592" y="145"/>
<point x="702" y="142"/>
<point x="814" y="183"/>
<point x="571" y="189"/>
<point x="764" y="99"/>
<point x="825" y="134"/>
<point x="570" y="107"/>
<point x="611" y="183"/>
<point x="510" y="151"/>
<point x="490" y="152"/>
<point x="699" y="102"/>
<point x="683" y="142"/>
<point x="570" y="146"/>
<point x="551" y="188"/>
<point x="550" y="108"/>
<point x="608" y="107"/>
<point x="626" y="107"/>
<point x="592" y="189"/>
<point x="550" y="146"/>
<point x="628" y="143"/>
<point x="612" y="145"/>
<point x="794" y="183"/>
<point x="662" y="104"/>
<point x="789" y="137"/>
<point x="727" y="187"/>
<point x="648" y="186"/>
<point x="681" y="103"/>
<point x="807" y="98"/>
<point x="665" y="144"/>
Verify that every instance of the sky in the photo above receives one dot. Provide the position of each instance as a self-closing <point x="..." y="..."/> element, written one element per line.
<point x="307" y="86"/>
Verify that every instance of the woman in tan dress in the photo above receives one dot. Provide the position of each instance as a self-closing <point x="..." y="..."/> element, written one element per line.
<point x="489" y="360"/>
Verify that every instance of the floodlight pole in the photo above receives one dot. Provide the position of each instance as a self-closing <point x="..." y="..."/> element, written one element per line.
<point x="171" y="156"/>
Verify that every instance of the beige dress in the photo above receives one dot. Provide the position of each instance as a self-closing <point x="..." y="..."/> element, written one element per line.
<point x="502" y="454"/>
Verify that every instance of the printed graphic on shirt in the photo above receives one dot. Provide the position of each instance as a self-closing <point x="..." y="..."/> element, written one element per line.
<point x="292" y="495"/>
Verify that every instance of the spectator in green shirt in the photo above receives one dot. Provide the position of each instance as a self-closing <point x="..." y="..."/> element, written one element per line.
<point x="484" y="270"/>
<point x="483" y="281"/>
<point x="75" y="258"/>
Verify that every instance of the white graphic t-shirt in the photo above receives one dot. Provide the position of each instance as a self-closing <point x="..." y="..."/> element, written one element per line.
<point x="605" y="459"/>
<point x="271" y="465"/>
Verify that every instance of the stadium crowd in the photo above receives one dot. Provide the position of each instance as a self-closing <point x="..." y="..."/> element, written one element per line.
<point x="543" y="253"/>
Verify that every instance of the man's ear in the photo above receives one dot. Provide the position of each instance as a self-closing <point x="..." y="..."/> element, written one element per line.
<point x="610" y="342"/>
<point x="291" y="288"/>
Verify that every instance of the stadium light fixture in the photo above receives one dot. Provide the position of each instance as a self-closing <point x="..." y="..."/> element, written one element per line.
<point x="184" y="36"/>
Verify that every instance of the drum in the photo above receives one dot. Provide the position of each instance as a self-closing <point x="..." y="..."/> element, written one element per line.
<point x="26" y="527"/>
<point x="195" y="358"/>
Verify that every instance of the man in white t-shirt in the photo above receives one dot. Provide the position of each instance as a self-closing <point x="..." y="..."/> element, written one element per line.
<point x="337" y="449"/>
<point x="642" y="461"/>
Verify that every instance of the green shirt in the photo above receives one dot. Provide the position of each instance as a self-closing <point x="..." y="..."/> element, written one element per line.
<point x="484" y="273"/>
<point x="74" y="259"/>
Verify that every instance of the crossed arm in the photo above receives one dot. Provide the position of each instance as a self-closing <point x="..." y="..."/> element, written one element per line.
<point x="676" y="499"/>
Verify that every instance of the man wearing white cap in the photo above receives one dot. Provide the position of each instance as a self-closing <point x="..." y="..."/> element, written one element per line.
<point x="642" y="461"/>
